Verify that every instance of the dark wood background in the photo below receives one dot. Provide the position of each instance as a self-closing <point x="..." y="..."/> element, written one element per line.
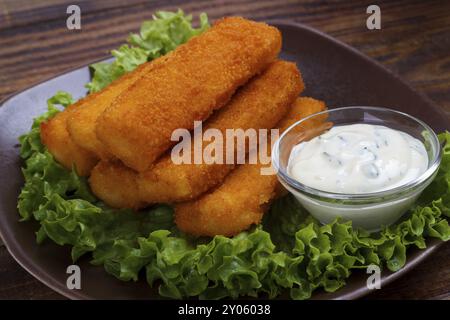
<point x="414" y="42"/>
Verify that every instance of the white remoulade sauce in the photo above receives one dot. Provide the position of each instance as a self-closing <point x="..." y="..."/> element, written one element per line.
<point x="358" y="158"/>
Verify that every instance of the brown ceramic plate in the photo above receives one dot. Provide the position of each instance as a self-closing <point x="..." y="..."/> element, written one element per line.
<point x="332" y="71"/>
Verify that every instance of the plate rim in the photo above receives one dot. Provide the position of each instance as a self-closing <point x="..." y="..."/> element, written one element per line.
<point x="45" y="278"/>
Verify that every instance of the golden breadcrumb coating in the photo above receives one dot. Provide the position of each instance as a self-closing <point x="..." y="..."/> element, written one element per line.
<point x="241" y="200"/>
<point x="82" y="121"/>
<point x="260" y="104"/>
<point x="56" y="138"/>
<point x="105" y="179"/>
<point x="191" y="82"/>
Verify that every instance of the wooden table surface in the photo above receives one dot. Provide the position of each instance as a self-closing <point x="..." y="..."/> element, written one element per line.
<point x="414" y="42"/>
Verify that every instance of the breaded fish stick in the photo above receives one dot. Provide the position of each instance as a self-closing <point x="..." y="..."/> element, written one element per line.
<point x="260" y="104"/>
<point x="244" y="195"/>
<point x="115" y="184"/>
<point x="192" y="81"/>
<point x="82" y="121"/>
<point x="56" y="138"/>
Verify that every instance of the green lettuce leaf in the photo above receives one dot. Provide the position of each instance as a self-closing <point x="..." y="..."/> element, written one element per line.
<point x="289" y="251"/>
<point x="64" y="205"/>
<point x="157" y="37"/>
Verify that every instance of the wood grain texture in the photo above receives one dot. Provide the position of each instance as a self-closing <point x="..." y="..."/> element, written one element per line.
<point x="414" y="42"/>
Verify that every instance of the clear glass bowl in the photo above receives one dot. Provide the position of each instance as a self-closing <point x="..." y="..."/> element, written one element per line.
<point x="370" y="211"/>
